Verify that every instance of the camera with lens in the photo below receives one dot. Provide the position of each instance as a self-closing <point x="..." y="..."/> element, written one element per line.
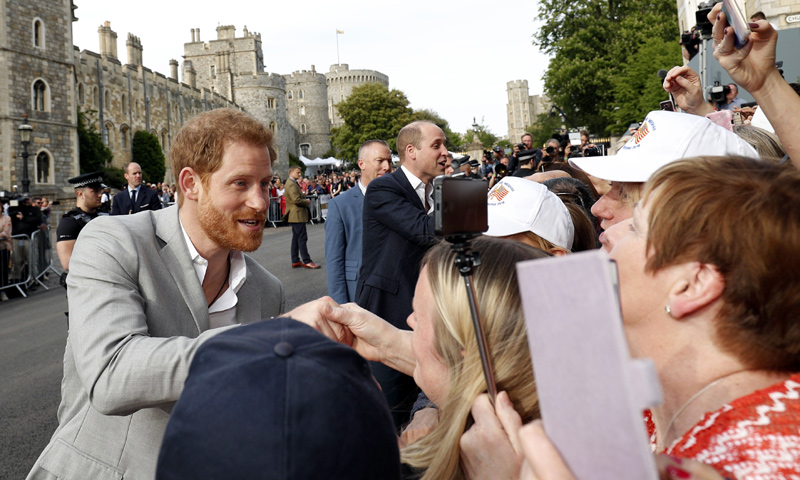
<point x="500" y="171"/>
<point x="718" y="93"/>
<point x="593" y="151"/>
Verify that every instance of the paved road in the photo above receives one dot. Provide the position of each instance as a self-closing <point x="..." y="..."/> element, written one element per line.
<point x="33" y="332"/>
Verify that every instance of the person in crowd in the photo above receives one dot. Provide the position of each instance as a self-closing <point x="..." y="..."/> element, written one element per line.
<point x="399" y="229"/>
<point x="26" y="219"/>
<point x="663" y="137"/>
<point x="88" y="188"/>
<point x="146" y="290"/>
<point x="575" y="193"/>
<point x="684" y="84"/>
<point x="336" y="185"/>
<point x="525" y="211"/>
<point x="469" y="167"/>
<point x="344" y="224"/>
<point x="551" y="151"/>
<point x="105" y="201"/>
<point x="165" y="197"/>
<point x="733" y="401"/>
<point x="5" y="248"/>
<point x="489" y="161"/>
<point x="316" y="411"/>
<point x="766" y="143"/>
<point x="135" y="197"/>
<point x="44" y="205"/>
<point x="441" y="351"/>
<point x="526" y="159"/>
<point x="297" y="215"/>
<point x="732" y="100"/>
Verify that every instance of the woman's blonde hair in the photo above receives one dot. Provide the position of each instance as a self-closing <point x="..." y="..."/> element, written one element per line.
<point x="500" y="307"/>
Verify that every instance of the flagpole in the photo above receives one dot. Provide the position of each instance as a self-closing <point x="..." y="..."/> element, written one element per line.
<point x="337" y="47"/>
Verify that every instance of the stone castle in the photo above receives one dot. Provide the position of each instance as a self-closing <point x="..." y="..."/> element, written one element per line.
<point x="47" y="78"/>
<point x="523" y="108"/>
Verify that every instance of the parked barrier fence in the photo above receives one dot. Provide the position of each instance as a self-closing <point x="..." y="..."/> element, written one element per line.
<point x="30" y="260"/>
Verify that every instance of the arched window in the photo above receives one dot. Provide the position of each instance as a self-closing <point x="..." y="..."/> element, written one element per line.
<point x="303" y="128"/>
<point x="302" y="110"/>
<point x="305" y="149"/>
<point x="106" y="100"/>
<point x="109" y="134"/>
<point x="42" y="168"/>
<point x="124" y="104"/>
<point x="38" y="33"/>
<point x="95" y="97"/>
<point x="123" y="136"/>
<point x="290" y="95"/>
<point x="273" y="127"/>
<point x="164" y="145"/>
<point x="301" y="95"/>
<point x="40" y="94"/>
<point x="81" y="94"/>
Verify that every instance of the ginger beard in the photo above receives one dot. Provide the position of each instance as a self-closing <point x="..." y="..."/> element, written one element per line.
<point x="224" y="229"/>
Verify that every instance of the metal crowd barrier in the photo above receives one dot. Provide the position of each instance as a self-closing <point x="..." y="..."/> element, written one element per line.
<point x="315" y="208"/>
<point x="18" y="271"/>
<point x="30" y="259"/>
<point x="274" y="214"/>
<point x="41" y="257"/>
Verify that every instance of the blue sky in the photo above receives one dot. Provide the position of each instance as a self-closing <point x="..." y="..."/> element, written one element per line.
<point x="451" y="57"/>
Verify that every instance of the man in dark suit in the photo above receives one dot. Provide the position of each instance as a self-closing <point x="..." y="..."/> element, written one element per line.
<point x="135" y="197"/>
<point x="343" y="226"/>
<point x="398" y="228"/>
<point x="297" y="216"/>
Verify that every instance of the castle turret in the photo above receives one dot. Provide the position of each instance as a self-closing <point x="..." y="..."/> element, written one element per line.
<point x="108" y="40"/>
<point x="134" y="45"/>
<point x="189" y="74"/>
<point x="307" y="111"/>
<point x="173" y="69"/>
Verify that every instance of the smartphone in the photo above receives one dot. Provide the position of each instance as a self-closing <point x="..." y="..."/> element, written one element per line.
<point x="735" y="19"/>
<point x="667" y="105"/>
<point x="459" y="207"/>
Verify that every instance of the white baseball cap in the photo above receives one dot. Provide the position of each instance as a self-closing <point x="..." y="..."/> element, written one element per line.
<point x="663" y="138"/>
<point x="517" y="205"/>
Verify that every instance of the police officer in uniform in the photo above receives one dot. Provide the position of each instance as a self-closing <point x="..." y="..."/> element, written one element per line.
<point x="88" y="190"/>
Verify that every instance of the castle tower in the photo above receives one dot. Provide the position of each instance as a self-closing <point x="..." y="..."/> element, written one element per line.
<point x="307" y="110"/>
<point x="519" y="108"/>
<point x="134" y="45"/>
<point x="36" y="48"/>
<point x="108" y="41"/>
<point x="341" y="82"/>
<point x="233" y="67"/>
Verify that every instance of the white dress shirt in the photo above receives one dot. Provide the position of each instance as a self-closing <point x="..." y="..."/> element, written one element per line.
<point x="423" y="191"/>
<point x="223" y="311"/>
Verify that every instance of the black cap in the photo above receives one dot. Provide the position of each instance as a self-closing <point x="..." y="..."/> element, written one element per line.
<point x="526" y="155"/>
<point x="91" y="180"/>
<point x="277" y="400"/>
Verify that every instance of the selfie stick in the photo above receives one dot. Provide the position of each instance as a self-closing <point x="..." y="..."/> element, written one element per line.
<point x="465" y="262"/>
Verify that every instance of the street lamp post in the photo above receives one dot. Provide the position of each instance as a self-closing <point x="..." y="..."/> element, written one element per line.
<point x="25" y="137"/>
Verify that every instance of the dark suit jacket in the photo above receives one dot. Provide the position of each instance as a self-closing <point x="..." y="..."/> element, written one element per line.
<point x="343" y="236"/>
<point x="397" y="233"/>
<point x="146" y="199"/>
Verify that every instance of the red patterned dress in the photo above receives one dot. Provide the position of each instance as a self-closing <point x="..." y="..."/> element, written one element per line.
<point x="755" y="437"/>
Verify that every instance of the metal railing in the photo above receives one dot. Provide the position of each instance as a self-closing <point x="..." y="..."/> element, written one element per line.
<point x="30" y="260"/>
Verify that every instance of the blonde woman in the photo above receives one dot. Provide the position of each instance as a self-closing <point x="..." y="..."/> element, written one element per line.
<point x="441" y="351"/>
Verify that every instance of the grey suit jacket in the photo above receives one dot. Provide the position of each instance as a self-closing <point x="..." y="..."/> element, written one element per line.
<point x="137" y="315"/>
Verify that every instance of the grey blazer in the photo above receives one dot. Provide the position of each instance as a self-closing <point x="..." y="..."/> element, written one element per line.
<point x="137" y="315"/>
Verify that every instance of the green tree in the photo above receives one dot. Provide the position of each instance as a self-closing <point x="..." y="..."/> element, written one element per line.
<point x="638" y="90"/>
<point x="544" y="128"/>
<point x="594" y="44"/>
<point x="146" y="151"/>
<point x="371" y="111"/>
<point x="486" y="137"/>
<point x="453" y="139"/>
<point x="94" y="154"/>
